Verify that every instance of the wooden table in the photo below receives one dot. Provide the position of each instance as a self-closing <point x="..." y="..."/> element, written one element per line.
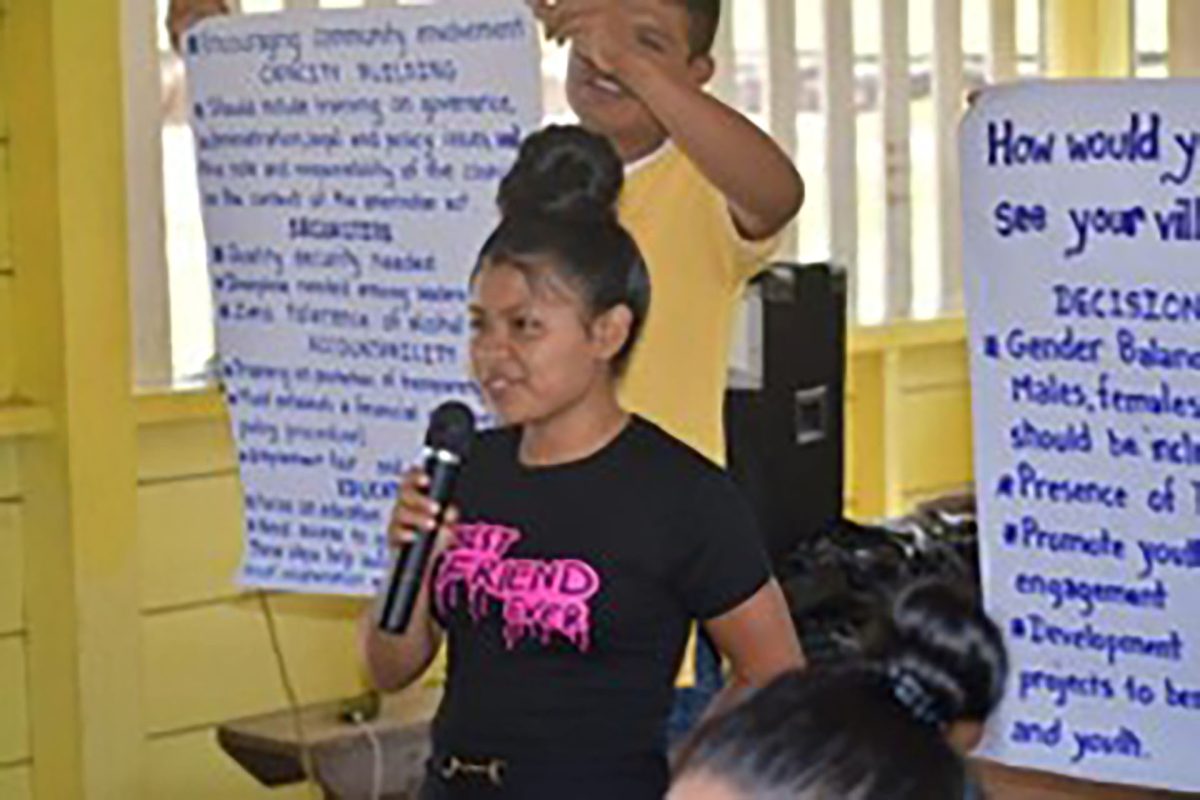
<point x="342" y="756"/>
<point x="1006" y="783"/>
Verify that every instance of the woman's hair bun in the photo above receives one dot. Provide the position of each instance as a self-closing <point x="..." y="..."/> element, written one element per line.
<point x="942" y="642"/>
<point x="563" y="171"/>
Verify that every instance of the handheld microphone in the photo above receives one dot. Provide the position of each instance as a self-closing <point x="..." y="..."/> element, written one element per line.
<point x="447" y="442"/>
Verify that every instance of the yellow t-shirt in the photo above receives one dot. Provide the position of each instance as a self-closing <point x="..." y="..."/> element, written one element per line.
<point x="698" y="265"/>
<point x="698" y="268"/>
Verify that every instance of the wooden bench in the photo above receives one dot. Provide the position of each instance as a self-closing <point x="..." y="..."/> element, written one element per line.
<point x="342" y="756"/>
<point x="343" y="759"/>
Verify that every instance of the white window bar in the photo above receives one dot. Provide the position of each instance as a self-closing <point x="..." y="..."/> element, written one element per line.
<point x="1149" y="33"/>
<point x="1043" y="53"/>
<point x="783" y="81"/>
<point x="149" y="286"/>
<point x="838" y="105"/>
<point x="897" y="161"/>
<point x="724" y="84"/>
<point x="1002" y="41"/>
<point x="947" y="103"/>
<point x="1183" y="36"/>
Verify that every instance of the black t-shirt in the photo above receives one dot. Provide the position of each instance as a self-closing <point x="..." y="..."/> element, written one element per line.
<point x="569" y="595"/>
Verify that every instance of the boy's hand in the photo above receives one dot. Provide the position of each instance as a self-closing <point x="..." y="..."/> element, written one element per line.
<point x="600" y="32"/>
<point x="549" y="13"/>
<point x="183" y="14"/>
<point x="555" y="15"/>
<point x="606" y="39"/>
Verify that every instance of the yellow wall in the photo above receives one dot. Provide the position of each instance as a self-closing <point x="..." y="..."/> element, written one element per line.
<point x="207" y="654"/>
<point x="14" y="720"/>
<point x="6" y="349"/>
<point x="123" y="640"/>
<point x="908" y="415"/>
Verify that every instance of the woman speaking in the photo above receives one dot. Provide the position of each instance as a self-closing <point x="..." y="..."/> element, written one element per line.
<point x="585" y="540"/>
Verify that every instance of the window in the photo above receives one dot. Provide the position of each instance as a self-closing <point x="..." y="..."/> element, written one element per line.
<point x="1150" y="38"/>
<point x="748" y="85"/>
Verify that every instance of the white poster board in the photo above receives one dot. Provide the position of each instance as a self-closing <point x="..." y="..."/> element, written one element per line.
<point x="1082" y="254"/>
<point x="348" y="163"/>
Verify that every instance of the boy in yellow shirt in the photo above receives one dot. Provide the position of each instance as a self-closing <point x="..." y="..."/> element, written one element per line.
<point x="706" y="191"/>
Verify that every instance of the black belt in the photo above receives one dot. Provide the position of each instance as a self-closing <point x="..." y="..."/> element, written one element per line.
<point x="495" y="772"/>
<point x="487" y="770"/>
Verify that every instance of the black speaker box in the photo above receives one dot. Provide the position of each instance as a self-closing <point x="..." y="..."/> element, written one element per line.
<point x="785" y="439"/>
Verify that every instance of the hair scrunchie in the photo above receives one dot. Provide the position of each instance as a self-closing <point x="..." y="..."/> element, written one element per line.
<point x="911" y="693"/>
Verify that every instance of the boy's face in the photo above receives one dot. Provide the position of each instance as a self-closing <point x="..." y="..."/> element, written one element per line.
<point x="658" y="31"/>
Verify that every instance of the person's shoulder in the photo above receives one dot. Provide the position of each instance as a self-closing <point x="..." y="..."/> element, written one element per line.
<point x="663" y="451"/>
<point x="668" y="165"/>
<point x="669" y="182"/>
<point x="709" y="210"/>
<point x="702" y="502"/>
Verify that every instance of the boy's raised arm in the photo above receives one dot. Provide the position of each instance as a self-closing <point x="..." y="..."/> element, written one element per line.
<point x="761" y="184"/>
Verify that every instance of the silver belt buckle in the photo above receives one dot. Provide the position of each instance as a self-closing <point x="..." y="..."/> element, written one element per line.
<point x="492" y="769"/>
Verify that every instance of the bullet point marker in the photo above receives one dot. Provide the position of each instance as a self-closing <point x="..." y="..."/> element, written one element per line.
<point x="991" y="347"/>
<point x="1018" y="628"/>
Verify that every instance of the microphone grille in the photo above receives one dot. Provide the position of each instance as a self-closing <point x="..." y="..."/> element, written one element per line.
<point x="451" y="427"/>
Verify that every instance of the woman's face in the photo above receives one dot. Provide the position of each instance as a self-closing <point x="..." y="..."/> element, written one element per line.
<point x="533" y="349"/>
